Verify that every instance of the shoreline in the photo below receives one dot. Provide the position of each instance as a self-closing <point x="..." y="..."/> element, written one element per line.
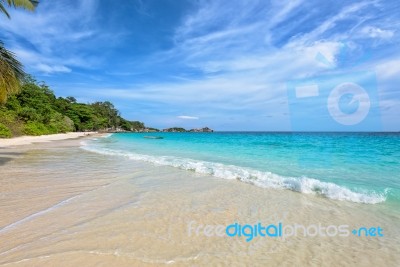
<point x="28" y="140"/>
<point x="65" y="206"/>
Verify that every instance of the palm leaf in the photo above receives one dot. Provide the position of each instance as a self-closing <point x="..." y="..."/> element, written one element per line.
<point x="11" y="73"/>
<point x="26" y="4"/>
<point x="3" y="10"/>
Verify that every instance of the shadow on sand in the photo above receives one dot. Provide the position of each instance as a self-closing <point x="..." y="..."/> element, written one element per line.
<point x="8" y="156"/>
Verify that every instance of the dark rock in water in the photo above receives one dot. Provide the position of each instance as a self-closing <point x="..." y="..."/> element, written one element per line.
<point x="154" y="137"/>
<point x="202" y="130"/>
<point x="182" y="130"/>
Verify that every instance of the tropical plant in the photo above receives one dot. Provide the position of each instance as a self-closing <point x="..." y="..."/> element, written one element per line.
<point x="11" y="73"/>
<point x="35" y="110"/>
<point x="4" y="131"/>
<point x="25" y="4"/>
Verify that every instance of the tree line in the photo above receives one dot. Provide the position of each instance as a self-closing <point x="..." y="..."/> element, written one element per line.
<point x="35" y="110"/>
<point x="30" y="108"/>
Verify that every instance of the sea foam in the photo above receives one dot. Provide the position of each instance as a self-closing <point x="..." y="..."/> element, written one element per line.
<point x="258" y="178"/>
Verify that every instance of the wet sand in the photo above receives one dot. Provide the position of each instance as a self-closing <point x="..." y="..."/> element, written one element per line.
<point x="26" y="140"/>
<point x="63" y="206"/>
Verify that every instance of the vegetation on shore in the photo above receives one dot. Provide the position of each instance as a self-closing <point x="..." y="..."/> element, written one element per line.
<point x="11" y="70"/>
<point x="175" y="130"/>
<point x="31" y="108"/>
<point x="37" y="111"/>
<point x="183" y="130"/>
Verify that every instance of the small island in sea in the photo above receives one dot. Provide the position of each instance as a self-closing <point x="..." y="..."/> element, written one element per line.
<point x="182" y="130"/>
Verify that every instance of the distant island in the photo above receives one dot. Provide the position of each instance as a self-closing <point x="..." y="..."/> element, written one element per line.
<point x="168" y="130"/>
<point x="196" y="130"/>
<point x="36" y="110"/>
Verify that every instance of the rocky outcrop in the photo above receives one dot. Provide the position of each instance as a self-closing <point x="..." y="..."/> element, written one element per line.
<point x="182" y="130"/>
<point x="175" y="130"/>
<point x="202" y="130"/>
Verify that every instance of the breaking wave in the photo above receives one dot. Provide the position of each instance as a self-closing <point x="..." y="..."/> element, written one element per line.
<point x="258" y="178"/>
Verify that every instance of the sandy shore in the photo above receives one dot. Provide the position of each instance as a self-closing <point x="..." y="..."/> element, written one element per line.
<point x="26" y="140"/>
<point x="65" y="206"/>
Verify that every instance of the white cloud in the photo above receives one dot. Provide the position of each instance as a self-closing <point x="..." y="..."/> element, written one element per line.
<point x="52" y="69"/>
<point x="188" y="117"/>
<point x="389" y="69"/>
<point x="241" y="73"/>
<point x="232" y="58"/>
<point x="237" y="41"/>
<point x="56" y="37"/>
<point x="375" y="32"/>
<point x="315" y="34"/>
<point x="281" y="10"/>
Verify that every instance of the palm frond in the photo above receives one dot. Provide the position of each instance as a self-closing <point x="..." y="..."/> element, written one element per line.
<point x="26" y="4"/>
<point x="11" y="73"/>
<point x="4" y="10"/>
<point x="10" y="59"/>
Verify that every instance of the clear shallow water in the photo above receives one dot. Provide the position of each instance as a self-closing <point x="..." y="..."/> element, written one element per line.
<point x="63" y="206"/>
<point x="357" y="167"/>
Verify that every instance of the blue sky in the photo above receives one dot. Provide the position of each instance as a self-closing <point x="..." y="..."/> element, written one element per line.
<point x="229" y="65"/>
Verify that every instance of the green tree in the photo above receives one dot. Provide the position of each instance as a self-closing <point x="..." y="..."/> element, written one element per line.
<point x="137" y="125"/>
<point x="36" y="111"/>
<point x="109" y="112"/>
<point x="71" y="99"/>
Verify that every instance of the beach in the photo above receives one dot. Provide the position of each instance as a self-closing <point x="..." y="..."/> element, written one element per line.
<point x="26" y="140"/>
<point x="65" y="206"/>
<point x="199" y="133"/>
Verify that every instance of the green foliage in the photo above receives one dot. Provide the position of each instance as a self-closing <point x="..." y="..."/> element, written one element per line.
<point x="11" y="74"/>
<point x="71" y="99"/>
<point x="10" y="119"/>
<point x="4" y="131"/>
<point x="175" y="129"/>
<point x="36" y="128"/>
<point x="11" y="70"/>
<point x="152" y="129"/>
<point x="124" y="124"/>
<point x="137" y="125"/>
<point x="107" y="115"/>
<point x="29" y="114"/>
<point x="36" y="111"/>
<point x="61" y="123"/>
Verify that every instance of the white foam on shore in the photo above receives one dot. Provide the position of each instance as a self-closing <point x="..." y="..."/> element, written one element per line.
<point x="36" y="214"/>
<point x="259" y="178"/>
<point x="107" y="135"/>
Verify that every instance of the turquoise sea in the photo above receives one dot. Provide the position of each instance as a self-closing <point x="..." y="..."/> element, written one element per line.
<point x="355" y="167"/>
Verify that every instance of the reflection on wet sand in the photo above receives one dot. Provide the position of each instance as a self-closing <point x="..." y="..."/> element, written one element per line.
<point x="62" y="206"/>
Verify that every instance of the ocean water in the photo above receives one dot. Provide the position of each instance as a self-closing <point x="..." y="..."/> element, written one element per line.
<point x="130" y="201"/>
<point x="355" y="167"/>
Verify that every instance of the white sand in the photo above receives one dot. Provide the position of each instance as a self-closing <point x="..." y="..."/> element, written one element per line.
<point x="26" y="140"/>
<point x="69" y="207"/>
